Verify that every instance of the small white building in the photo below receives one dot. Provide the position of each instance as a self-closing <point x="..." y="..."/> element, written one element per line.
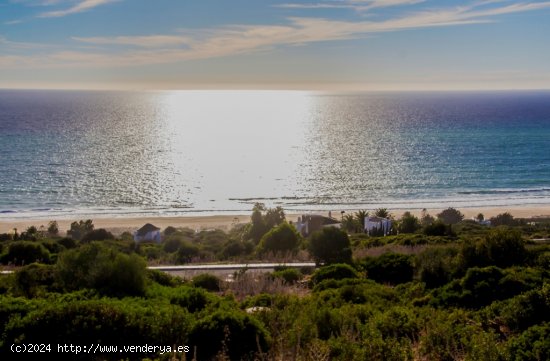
<point x="373" y="224"/>
<point x="147" y="233"/>
<point x="309" y="223"/>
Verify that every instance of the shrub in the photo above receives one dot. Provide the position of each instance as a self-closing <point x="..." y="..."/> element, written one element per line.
<point x="390" y="268"/>
<point x="450" y="216"/>
<point x="193" y="299"/>
<point x="290" y="275"/>
<point x="26" y="252"/>
<point x="282" y="239"/>
<point x="172" y="244"/>
<point x="408" y="223"/>
<point x="503" y="219"/>
<point x="103" y="269"/>
<point x="100" y="234"/>
<point x="235" y="334"/>
<point x="436" y="265"/>
<point x="99" y="321"/>
<point x="207" y="281"/>
<point x="337" y="271"/>
<point x="532" y="345"/>
<point x="79" y="229"/>
<point x="186" y="252"/>
<point x="438" y="228"/>
<point x="505" y="247"/>
<point x="33" y="279"/>
<point x="330" y="245"/>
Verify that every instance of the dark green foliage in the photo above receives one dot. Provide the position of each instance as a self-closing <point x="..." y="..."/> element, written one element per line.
<point x="335" y="271"/>
<point x="26" y="252"/>
<point x="100" y="322"/>
<point x="382" y="213"/>
<point x="193" y="299"/>
<point x="330" y="245"/>
<point x="390" y="268"/>
<point x="523" y="311"/>
<point x="503" y="219"/>
<point x="234" y="248"/>
<point x="169" y="230"/>
<point x="289" y="275"/>
<point x="408" y="223"/>
<point x="53" y="229"/>
<point x="100" y="234"/>
<point x="505" y="247"/>
<point x="280" y="240"/>
<point x="260" y="224"/>
<point x="207" y="281"/>
<point x="80" y="228"/>
<point x="163" y="278"/>
<point x="438" y="228"/>
<point x="532" y="345"/>
<point x="450" y="216"/>
<point x="103" y="269"/>
<point x="67" y="242"/>
<point x="186" y="252"/>
<point x="172" y="244"/>
<point x="34" y="279"/>
<point x="436" y="265"/>
<point x="236" y="334"/>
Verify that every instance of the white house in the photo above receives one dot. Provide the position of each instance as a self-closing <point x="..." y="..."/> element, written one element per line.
<point x="373" y="224"/>
<point x="147" y="233"/>
<point x="309" y="223"/>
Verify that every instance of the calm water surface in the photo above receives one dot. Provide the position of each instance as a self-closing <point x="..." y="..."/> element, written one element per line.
<point x="182" y="152"/>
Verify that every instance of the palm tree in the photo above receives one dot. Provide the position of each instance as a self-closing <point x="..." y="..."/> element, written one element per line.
<point x="360" y="216"/>
<point x="382" y="213"/>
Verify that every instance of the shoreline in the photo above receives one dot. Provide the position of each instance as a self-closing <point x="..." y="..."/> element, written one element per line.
<point x="118" y="225"/>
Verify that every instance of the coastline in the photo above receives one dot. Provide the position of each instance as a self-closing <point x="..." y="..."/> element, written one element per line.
<point x="118" y="225"/>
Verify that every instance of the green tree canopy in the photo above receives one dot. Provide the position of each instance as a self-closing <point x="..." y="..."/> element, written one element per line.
<point x="330" y="245"/>
<point x="281" y="239"/>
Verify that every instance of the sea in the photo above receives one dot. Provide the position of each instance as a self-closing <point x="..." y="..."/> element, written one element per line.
<point x="67" y="154"/>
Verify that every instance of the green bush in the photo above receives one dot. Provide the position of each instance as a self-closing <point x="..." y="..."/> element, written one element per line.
<point x="100" y="322"/>
<point x="390" y="268"/>
<point x="26" y="252"/>
<point x="193" y="299"/>
<point x="330" y="245"/>
<point x="336" y="271"/>
<point x="34" y="279"/>
<point x="436" y="265"/>
<point x="289" y="275"/>
<point x="100" y="234"/>
<point x="532" y="345"/>
<point x="207" y="281"/>
<point x="282" y="239"/>
<point x="109" y="272"/>
<point x="236" y="335"/>
<point x="186" y="252"/>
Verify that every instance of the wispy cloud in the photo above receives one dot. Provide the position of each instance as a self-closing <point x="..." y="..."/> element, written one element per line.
<point x="149" y="41"/>
<point x="84" y="5"/>
<point x="241" y="39"/>
<point x="359" y="5"/>
<point x="12" y="22"/>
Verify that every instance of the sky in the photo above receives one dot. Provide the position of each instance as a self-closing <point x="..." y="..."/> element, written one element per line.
<point x="268" y="44"/>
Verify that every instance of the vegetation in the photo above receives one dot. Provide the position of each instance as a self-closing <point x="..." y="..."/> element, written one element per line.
<point x="469" y="292"/>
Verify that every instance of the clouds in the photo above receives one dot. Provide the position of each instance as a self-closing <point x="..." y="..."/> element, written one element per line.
<point x="84" y="5"/>
<point x="158" y="49"/>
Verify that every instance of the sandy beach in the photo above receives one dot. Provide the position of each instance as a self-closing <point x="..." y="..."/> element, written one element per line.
<point x="118" y="225"/>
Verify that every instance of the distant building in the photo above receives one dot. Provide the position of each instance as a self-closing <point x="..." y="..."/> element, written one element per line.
<point x="309" y="223"/>
<point x="377" y="225"/>
<point x="147" y="233"/>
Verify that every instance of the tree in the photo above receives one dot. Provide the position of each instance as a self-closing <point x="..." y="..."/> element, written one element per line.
<point x="274" y="217"/>
<point x="281" y="239"/>
<point x="503" y="219"/>
<point x="425" y="218"/>
<point x="360" y="216"/>
<point x="100" y="234"/>
<point x="80" y="228"/>
<point x="350" y="223"/>
<point x="450" y="216"/>
<point x="408" y="223"/>
<point x="382" y="213"/>
<point x="480" y="217"/>
<point x="53" y="229"/>
<point x="330" y="245"/>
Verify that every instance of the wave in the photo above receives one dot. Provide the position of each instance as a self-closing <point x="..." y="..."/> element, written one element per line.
<point x="506" y="191"/>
